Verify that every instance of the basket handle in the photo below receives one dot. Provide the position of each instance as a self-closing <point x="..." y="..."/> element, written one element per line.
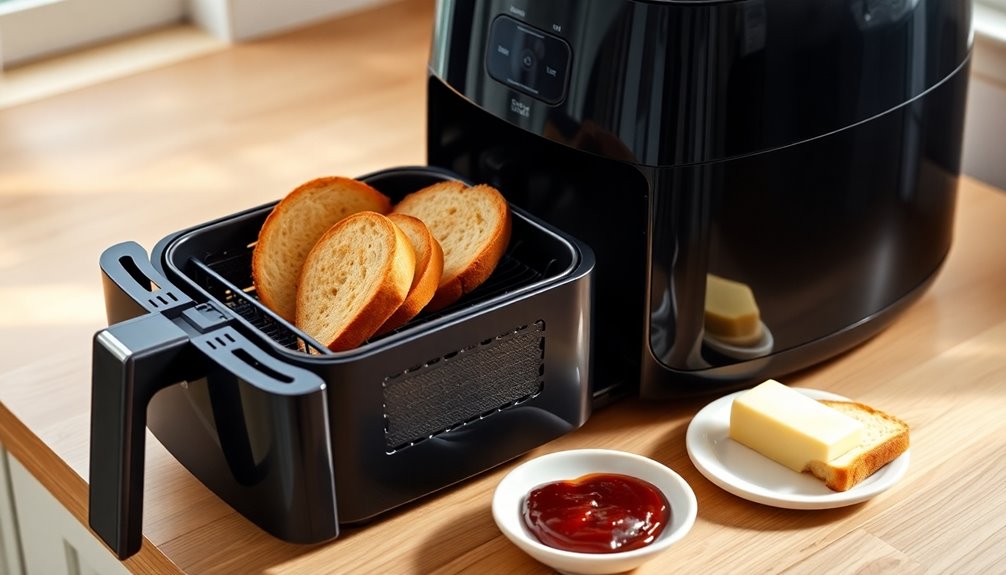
<point x="175" y="340"/>
<point x="133" y="287"/>
<point x="132" y="361"/>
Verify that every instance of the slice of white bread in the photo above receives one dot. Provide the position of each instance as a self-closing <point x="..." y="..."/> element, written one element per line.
<point x="292" y="229"/>
<point x="472" y="225"/>
<point x="885" y="438"/>
<point x="429" y="268"/>
<point x="353" y="279"/>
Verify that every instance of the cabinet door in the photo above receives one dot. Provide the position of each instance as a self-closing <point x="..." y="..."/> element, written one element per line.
<point x="52" y="540"/>
<point x="10" y="546"/>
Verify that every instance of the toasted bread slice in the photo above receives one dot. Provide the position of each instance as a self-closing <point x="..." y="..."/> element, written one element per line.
<point x="429" y="268"/>
<point x="292" y="229"/>
<point x="353" y="279"/>
<point x="885" y="438"/>
<point x="472" y="225"/>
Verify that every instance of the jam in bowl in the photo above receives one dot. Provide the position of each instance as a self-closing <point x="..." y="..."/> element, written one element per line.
<point x="593" y="510"/>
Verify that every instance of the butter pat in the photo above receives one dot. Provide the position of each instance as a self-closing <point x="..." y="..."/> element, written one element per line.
<point x="731" y="312"/>
<point x="791" y="428"/>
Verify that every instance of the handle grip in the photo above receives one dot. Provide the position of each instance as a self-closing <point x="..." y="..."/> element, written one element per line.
<point x="167" y="338"/>
<point x="133" y="287"/>
<point x="131" y="362"/>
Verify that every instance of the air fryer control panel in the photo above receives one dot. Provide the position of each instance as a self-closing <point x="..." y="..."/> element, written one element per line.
<point x="528" y="59"/>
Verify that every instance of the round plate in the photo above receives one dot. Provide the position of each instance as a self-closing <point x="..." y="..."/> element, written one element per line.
<point x="748" y="474"/>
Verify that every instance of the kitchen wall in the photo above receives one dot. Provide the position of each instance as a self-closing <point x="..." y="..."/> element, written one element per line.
<point x="985" y="127"/>
<point x="236" y="20"/>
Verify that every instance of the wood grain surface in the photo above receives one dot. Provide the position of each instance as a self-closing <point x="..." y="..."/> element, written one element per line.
<point x="142" y="156"/>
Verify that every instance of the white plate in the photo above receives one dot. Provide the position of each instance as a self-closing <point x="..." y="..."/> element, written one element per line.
<point x="748" y="474"/>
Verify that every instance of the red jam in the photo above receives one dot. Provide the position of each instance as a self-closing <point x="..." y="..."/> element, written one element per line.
<point x="597" y="513"/>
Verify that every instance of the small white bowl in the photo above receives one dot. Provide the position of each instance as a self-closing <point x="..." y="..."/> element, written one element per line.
<point x="566" y="465"/>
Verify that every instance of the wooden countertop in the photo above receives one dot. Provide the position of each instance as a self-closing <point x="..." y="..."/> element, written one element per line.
<point x="140" y="157"/>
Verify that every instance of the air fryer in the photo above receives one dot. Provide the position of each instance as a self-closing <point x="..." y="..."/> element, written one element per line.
<point x="808" y="150"/>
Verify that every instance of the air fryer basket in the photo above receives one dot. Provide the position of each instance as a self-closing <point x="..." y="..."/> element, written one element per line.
<point x="303" y="439"/>
<point x="215" y="261"/>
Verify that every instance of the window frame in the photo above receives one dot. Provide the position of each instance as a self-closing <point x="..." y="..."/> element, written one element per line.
<point x="32" y="29"/>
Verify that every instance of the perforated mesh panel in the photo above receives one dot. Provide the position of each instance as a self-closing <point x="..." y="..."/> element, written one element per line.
<point x="461" y="387"/>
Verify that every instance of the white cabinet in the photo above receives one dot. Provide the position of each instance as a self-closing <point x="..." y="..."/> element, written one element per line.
<point x="10" y="545"/>
<point x="39" y="536"/>
<point x="986" y="115"/>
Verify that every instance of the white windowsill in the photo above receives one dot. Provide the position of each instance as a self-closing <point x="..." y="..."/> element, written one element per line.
<point x="117" y="59"/>
<point x="990" y="22"/>
<point x="989" y="59"/>
<point x="15" y="5"/>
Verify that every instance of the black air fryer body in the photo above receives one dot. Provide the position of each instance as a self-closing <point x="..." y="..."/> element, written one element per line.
<point x="810" y="150"/>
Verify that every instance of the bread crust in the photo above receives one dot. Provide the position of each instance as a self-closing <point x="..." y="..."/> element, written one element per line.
<point x="275" y="266"/>
<point x="387" y="290"/>
<point x="865" y="464"/>
<point x="429" y="268"/>
<point x="462" y="280"/>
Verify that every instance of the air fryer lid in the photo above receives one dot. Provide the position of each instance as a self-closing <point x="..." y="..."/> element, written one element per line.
<point x="673" y="82"/>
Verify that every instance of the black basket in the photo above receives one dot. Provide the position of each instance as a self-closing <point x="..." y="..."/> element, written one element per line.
<point x="300" y="439"/>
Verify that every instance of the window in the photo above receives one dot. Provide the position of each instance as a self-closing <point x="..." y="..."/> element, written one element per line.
<point x="30" y="29"/>
<point x="990" y="19"/>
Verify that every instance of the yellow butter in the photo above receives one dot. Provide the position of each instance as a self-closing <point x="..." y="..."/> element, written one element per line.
<point x="731" y="312"/>
<point x="791" y="428"/>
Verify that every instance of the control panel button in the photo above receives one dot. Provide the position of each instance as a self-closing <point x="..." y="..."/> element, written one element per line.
<point x="528" y="59"/>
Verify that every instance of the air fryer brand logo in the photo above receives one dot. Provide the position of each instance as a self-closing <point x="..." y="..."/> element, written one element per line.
<point x="520" y="107"/>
